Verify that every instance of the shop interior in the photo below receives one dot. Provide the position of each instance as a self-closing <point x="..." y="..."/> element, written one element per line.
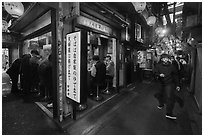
<point x="102" y="46"/>
<point x="40" y="92"/>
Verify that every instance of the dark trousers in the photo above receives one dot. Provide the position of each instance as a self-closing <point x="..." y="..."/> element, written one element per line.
<point x="166" y="96"/>
<point x="25" y="83"/>
<point x="110" y="80"/>
<point x="14" y="88"/>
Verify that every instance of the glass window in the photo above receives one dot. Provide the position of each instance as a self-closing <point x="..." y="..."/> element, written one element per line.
<point x="41" y="43"/>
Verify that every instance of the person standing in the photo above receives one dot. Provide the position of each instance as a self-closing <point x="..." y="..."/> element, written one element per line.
<point x="34" y="63"/>
<point x="98" y="72"/>
<point x="25" y="73"/>
<point x="109" y="69"/>
<point x="167" y="74"/>
<point x="13" y="73"/>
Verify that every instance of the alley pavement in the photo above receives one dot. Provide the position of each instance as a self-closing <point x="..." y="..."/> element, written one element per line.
<point x="134" y="112"/>
<point x="131" y="112"/>
<point x="25" y="118"/>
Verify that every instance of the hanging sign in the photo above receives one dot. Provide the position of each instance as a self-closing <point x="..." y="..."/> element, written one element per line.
<point x="94" y="25"/>
<point x="73" y="60"/>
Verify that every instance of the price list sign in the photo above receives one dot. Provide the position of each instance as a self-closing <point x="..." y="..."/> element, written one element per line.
<point x="73" y="61"/>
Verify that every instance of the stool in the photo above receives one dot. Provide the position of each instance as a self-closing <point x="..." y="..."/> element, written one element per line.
<point x="107" y="90"/>
<point x="97" y="97"/>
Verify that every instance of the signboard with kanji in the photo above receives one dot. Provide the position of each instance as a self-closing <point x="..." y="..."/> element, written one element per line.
<point x="73" y="61"/>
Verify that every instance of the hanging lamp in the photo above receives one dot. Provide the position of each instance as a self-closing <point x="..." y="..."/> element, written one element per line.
<point x="139" y="6"/>
<point x="15" y="9"/>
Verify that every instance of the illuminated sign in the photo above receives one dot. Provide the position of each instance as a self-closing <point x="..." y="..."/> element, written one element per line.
<point x="141" y="59"/>
<point x="73" y="42"/>
<point x="94" y="25"/>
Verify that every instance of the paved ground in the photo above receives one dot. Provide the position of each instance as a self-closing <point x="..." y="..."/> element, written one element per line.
<point x="23" y="118"/>
<point x="141" y="117"/>
<point x="132" y="112"/>
<point x="20" y="118"/>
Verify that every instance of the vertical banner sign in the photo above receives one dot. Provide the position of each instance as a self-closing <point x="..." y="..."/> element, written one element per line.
<point x="73" y="65"/>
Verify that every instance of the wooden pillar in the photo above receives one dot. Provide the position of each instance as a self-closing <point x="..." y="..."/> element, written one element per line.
<point x="54" y="62"/>
<point x="117" y="64"/>
<point x="57" y="61"/>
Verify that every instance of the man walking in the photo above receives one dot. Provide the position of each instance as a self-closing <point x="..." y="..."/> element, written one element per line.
<point x="167" y="74"/>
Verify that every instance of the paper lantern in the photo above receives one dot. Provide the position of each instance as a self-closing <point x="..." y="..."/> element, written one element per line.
<point x="15" y="9"/>
<point x="151" y="20"/>
<point x="4" y="26"/>
<point x="139" y="6"/>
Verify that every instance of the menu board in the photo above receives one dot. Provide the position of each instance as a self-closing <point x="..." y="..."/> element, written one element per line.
<point x="73" y="45"/>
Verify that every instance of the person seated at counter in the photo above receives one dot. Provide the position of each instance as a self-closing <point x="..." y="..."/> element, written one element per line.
<point x="109" y="69"/>
<point x="98" y="73"/>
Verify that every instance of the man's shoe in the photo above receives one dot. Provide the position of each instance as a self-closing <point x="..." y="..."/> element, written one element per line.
<point x="171" y="117"/>
<point x="160" y="107"/>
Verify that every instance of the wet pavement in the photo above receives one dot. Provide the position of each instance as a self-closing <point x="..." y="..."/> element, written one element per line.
<point x="20" y="118"/>
<point x="23" y="118"/>
<point x="131" y="112"/>
<point x="134" y="112"/>
<point x="142" y="117"/>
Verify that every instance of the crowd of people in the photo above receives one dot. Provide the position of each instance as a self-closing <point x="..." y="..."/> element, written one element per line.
<point x="35" y="74"/>
<point x="99" y="72"/>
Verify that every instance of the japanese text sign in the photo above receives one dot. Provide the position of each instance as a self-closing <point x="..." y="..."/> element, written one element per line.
<point x="73" y="60"/>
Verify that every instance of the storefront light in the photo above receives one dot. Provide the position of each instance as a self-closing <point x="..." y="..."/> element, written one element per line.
<point x="151" y="20"/>
<point x="164" y="31"/>
<point x="161" y="32"/>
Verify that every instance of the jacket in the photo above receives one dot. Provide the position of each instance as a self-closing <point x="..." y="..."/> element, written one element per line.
<point x="100" y="72"/>
<point x="170" y="72"/>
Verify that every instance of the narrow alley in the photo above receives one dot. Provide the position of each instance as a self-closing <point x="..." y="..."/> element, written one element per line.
<point x="101" y="68"/>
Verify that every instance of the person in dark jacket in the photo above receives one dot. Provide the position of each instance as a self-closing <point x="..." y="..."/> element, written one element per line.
<point x="25" y="73"/>
<point x="98" y="72"/>
<point x="34" y="77"/>
<point x="167" y="74"/>
<point x="14" y="72"/>
<point x="45" y="77"/>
